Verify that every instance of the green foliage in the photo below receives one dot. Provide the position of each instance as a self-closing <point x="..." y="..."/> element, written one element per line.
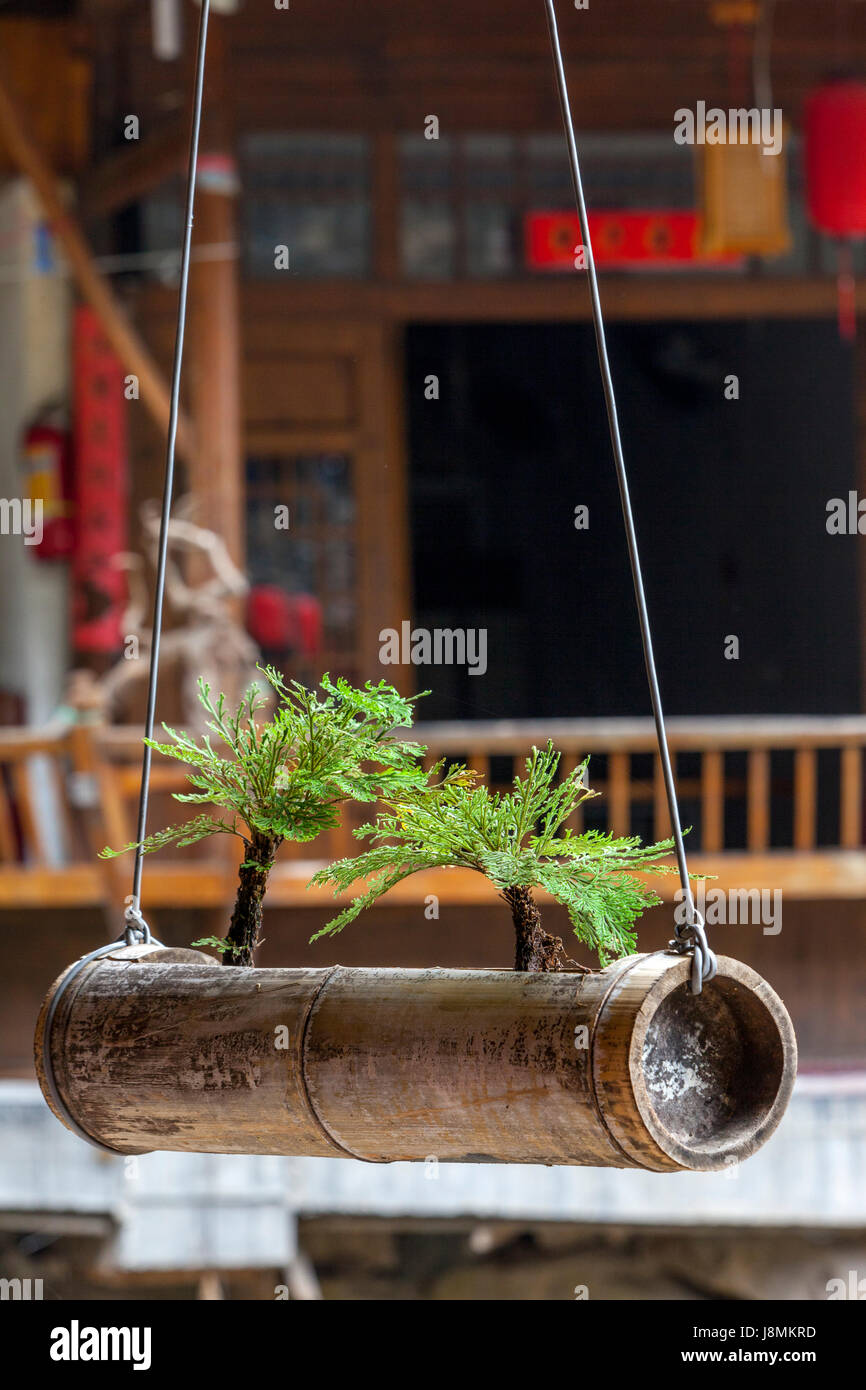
<point x="516" y="840"/>
<point x="220" y="944"/>
<point x="285" y="778"/>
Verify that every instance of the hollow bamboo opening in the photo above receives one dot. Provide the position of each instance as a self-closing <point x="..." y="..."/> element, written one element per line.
<point x="711" y="1074"/>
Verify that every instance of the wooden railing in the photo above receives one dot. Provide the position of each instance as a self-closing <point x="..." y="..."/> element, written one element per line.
<point x="713" y="784"/>
<point x="771" y="801"/>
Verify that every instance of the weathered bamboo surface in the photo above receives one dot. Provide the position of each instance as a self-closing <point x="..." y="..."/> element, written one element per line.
<point x="157" y="1049"/>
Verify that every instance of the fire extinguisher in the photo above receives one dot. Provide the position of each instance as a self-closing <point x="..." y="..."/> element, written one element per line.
<point x="46" y="455"/>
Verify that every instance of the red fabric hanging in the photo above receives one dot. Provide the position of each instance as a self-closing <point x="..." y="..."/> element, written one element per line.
<point x="835" y="153"/>
<point x="269" y="617"/>
<point x="282" y="622"/>
<point x="99" y="586"/>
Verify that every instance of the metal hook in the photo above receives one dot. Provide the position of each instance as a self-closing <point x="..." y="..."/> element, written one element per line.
<point x="136" y="929"/>
<point x="691" y="939"/>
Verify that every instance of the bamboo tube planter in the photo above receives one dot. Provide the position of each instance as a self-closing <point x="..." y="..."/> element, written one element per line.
<point x="153" y="1048"/>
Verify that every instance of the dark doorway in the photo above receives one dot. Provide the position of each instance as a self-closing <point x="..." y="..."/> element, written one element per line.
<point x="730" y="498"/>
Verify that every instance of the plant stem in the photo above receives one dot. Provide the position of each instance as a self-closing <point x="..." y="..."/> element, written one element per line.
<point x="246" y="924"/>
<point x="536" y="949"/>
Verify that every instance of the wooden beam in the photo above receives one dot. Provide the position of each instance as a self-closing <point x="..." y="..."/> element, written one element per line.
<point x="554" y="298"/>
<point x="133" y="353"/>
<point x="516" y="736"/>
<point x="618" y="793"/>
<point x="851" y="809"/>
<point x="661" y="814"/>
<point x="126" y="175"/>
<point x="209" y="884"/>
<point x="712" y="801"/>
<point x="758" y="800"/>
<point x="805" y="798"/>
<point x="216" y="474"/>
<point x="267" y="305"/>
<point x="52" y="79"/>
<point x="381" y="489"/>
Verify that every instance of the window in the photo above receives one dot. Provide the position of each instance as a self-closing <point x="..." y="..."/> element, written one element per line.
<point x="311" y="194"/>
<point x="305" y="560"/>
<point x="462" y="203"/>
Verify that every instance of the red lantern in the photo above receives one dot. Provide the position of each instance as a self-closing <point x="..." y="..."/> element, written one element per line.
<point x="282" y="622"/>
<point x="308" y="624"/>
<point x="835" y="155"/>
<point x="835" y="142"/>
<point x="269" y="617"/>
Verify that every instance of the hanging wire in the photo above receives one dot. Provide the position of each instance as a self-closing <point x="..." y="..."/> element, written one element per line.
<point x="133" y="915"/>
<point x="762" y="78"/>
<point x="690" y="936"/>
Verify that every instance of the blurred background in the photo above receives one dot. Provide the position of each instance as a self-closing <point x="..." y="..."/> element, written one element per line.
<point x="392" y="415"/>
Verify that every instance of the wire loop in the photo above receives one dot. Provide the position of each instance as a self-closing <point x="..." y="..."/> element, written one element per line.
<point x="136" y="929"/>
<point x="690" y="938"/>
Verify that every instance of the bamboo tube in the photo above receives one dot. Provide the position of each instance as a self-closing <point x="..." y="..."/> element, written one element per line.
<point x="160" y="1049"/>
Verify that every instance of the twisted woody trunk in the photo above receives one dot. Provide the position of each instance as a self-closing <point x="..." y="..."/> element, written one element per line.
<point x="536" y="949"/>
<point x="245" y="927"/>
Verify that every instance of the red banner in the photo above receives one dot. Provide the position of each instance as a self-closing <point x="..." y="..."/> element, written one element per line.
<point x="100" y="448"/>
<point x="619" y="240"/>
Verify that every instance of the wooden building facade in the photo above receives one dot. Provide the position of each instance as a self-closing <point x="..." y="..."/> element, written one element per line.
<point x="305" y="385"/>
<point x="372" y="346"/>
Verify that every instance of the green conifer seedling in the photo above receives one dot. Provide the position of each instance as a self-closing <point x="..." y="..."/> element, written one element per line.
<point x="285" y="778"/>
<point x="520" y="842"/>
